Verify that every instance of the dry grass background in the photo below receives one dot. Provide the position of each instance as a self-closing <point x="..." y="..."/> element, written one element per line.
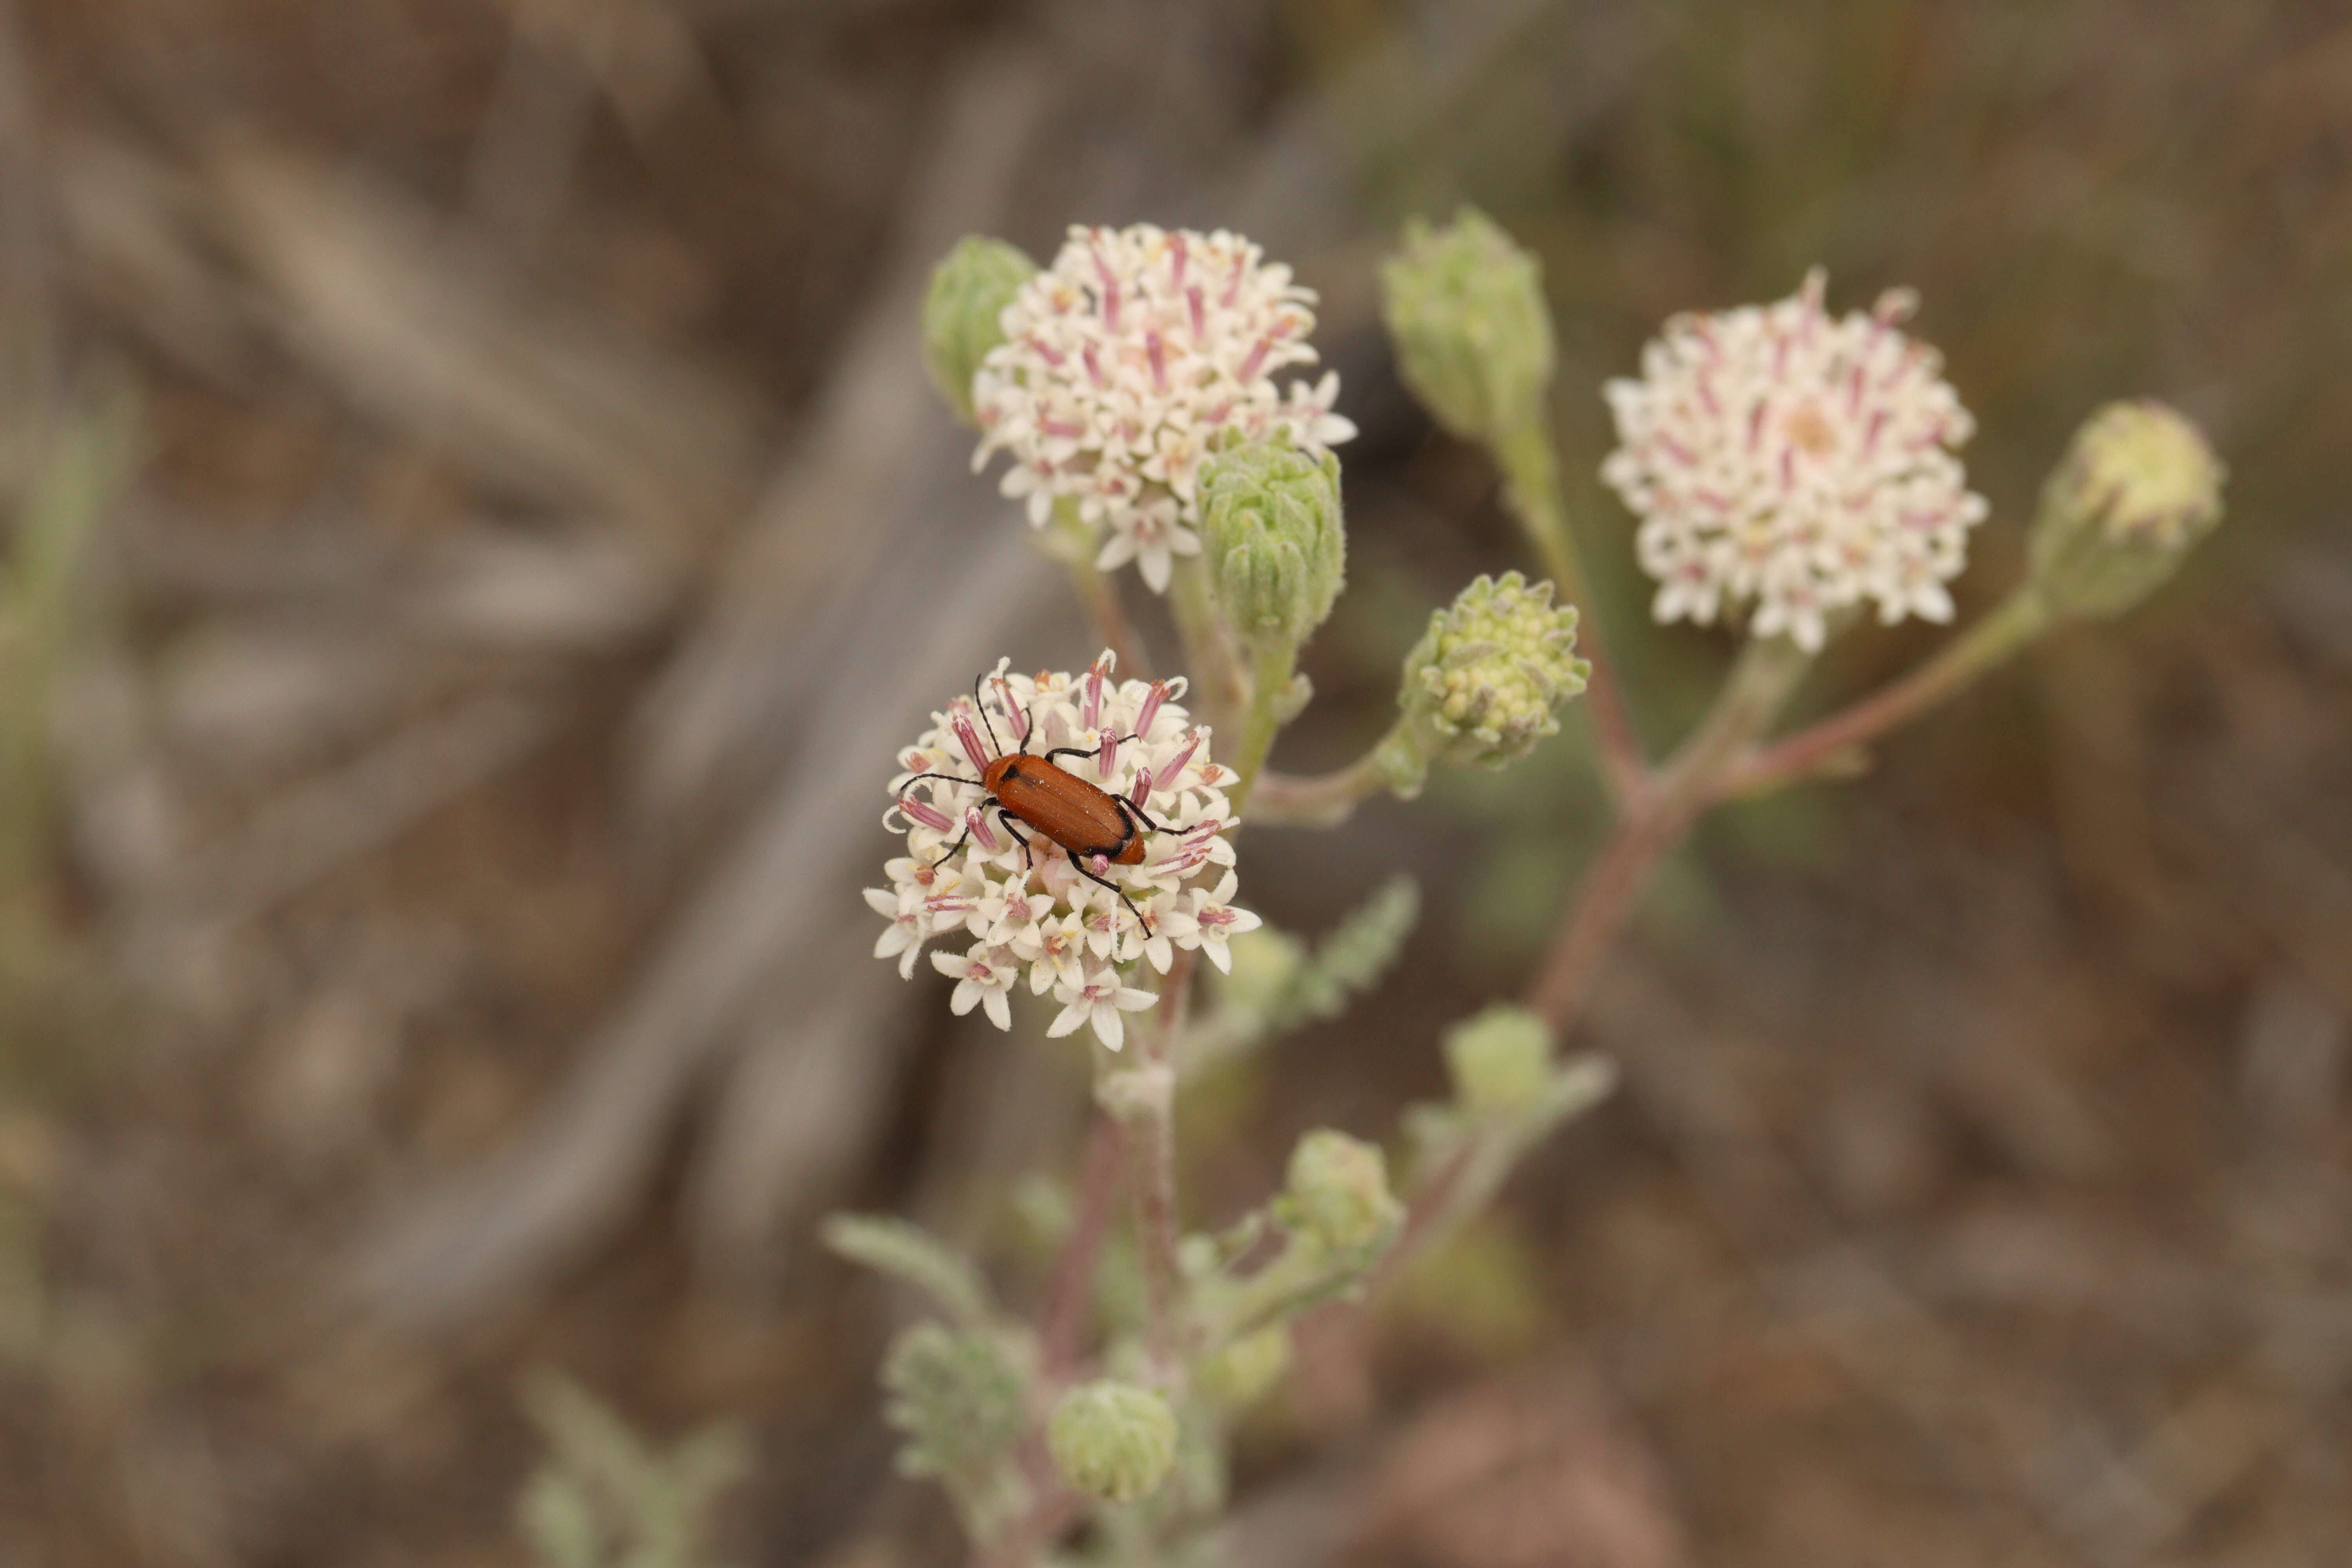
<point x="518" y="529"/>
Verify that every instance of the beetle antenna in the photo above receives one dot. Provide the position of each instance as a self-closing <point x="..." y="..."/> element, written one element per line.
<point x="982" y="707"/>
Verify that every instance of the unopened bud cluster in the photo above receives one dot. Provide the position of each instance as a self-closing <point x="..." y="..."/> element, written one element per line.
<point x="1499" y="1060"/>
<point x="1114" y="1441"/>
<point x="1337" y="1194"/>
<point x="1277" y="547"/>
<point x="1487" y="680"/>
<point x="963" y="313"/>
<point x="1465" y="307"/>
<point x="2137" y="489"/>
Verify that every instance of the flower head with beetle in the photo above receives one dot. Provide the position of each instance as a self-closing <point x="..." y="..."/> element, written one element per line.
<point x="1028" y="912"/>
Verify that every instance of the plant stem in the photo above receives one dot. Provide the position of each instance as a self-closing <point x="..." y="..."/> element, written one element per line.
<point x="1275" y="662"/>
<point x="1142" y="1097"/>
<point x="1209" y="657"/>
<point x="1766" y="672"/>
<point x="1072" y="542"/>
<point x="1320" y="800"/>
<point x="1530" y="467"/>
<point x="1060" y="1321"/>
<point x="2016" y="622"/>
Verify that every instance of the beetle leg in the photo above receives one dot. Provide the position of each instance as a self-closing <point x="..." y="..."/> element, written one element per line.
<point x="959" y="843"/>
<point x="1093" y="751"/>
<point x="1028" y="860"/>
<point x="1078" y="862"/>
<point x="953" y="778"/>
<point x="1140" y="815"/>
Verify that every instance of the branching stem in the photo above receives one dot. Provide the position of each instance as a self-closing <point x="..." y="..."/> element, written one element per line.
<point x="1767" y="670"/>
<point x="1825" y="746"/>
<point x="1530" y="467"/>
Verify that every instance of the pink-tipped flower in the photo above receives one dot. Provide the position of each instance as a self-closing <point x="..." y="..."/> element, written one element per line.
<point x="965" y="878"/>
<point x="1798" y="462"/>
<point x="1125" y="361"/>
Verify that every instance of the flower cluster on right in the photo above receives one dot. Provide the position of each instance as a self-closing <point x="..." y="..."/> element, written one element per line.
<point x="1779" y="456"/>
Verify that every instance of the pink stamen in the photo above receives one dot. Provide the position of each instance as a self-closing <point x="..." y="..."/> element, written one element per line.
<point x="1166" y="775"/>
<point x="1094" y="695"/>
<point x="1233" y="284"/>
<point x="1094" y="366"/>
<point x="970" y="739"/>
<point x="1141" y="793"/>
<point x="1199" y="314"/>
<point x="1063" y="427"/>
<point x="916" y="809"/>
<point x="1754" y="426"/>
<point x="1870" y="432"/>
<point x="980" y="830"/>
<point x="1106" y="756"/>
<point x="1158" y="358"/>
<point x="1110" y="298"/>
<point x="1176" y="250"/>
<point x="1256" y="358"/>
<point x="1099" y="863"/>
<point x="1047" y="352"/>
<point x="1150" y="709"/>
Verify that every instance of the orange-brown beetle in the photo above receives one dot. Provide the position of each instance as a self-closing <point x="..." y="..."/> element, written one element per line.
<point x="1089" y="823"/>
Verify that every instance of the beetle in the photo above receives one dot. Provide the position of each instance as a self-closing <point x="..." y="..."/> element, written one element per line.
<point x="1087" y="821"/>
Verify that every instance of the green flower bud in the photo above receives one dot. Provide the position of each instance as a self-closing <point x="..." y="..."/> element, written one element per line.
<point x="1113" y="1441"/>
<point x="1236" y="1375"/>
<point x="2137" y="489"/>
<point x="1499" y="1060"/>
<point x="1337" y="1193"/>
<point x="963" y="314"/>
<point x="1487" y="680"/>
<point x="1277" y="548"/>
<point x="1465" y="306"/>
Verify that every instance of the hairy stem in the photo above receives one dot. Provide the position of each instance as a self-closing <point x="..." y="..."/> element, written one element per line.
<point x="1062" y="1320"/>
<point x="1072" y="542"/>
<point x="1142" y="1097"/>
<point x="2008" y="628"/>
<point x="1321" y="800"/>
<point x="1275" y="661"/>
<point x="1210" y="658"/>
<point x="1530" y="467"/>
<point x="1767" y="670"/>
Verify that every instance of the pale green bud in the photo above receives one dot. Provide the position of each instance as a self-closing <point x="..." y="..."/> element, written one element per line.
<point x="963" y="314"/>
<point x="1276" y="546"/>
<point x="1473" y="340"/>
<point x="1499" y="1060"/>
<point x="1236" y="1375"/>
<point x="1113" y="1441"/>
<point x="1487" y="680"/>
<point x="1338" y="1193"/>
<point x="2137" y="490"/>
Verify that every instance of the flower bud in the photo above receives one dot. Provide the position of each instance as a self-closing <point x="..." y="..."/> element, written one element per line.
<point x="1338" y="1193"/>
<point x="2137" y="489"/>
<point x="1236" y="1375"/>
<point x="1499" y="1060"/>
<point x="1487" y="680"/>
<point x="963" y="314"/>
<point x="1465" y="306"/>
<point x="1277" y="549"/>
<point x="1113" y="1441"/>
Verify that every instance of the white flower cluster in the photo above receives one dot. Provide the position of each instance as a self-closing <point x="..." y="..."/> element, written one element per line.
<point x="965" y="873"/>
<point x="1124" y="360"/>
<point x="1777" y="455"/>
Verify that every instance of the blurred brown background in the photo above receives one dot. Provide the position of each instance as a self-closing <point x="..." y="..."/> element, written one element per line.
<point x="477" y="529"/>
